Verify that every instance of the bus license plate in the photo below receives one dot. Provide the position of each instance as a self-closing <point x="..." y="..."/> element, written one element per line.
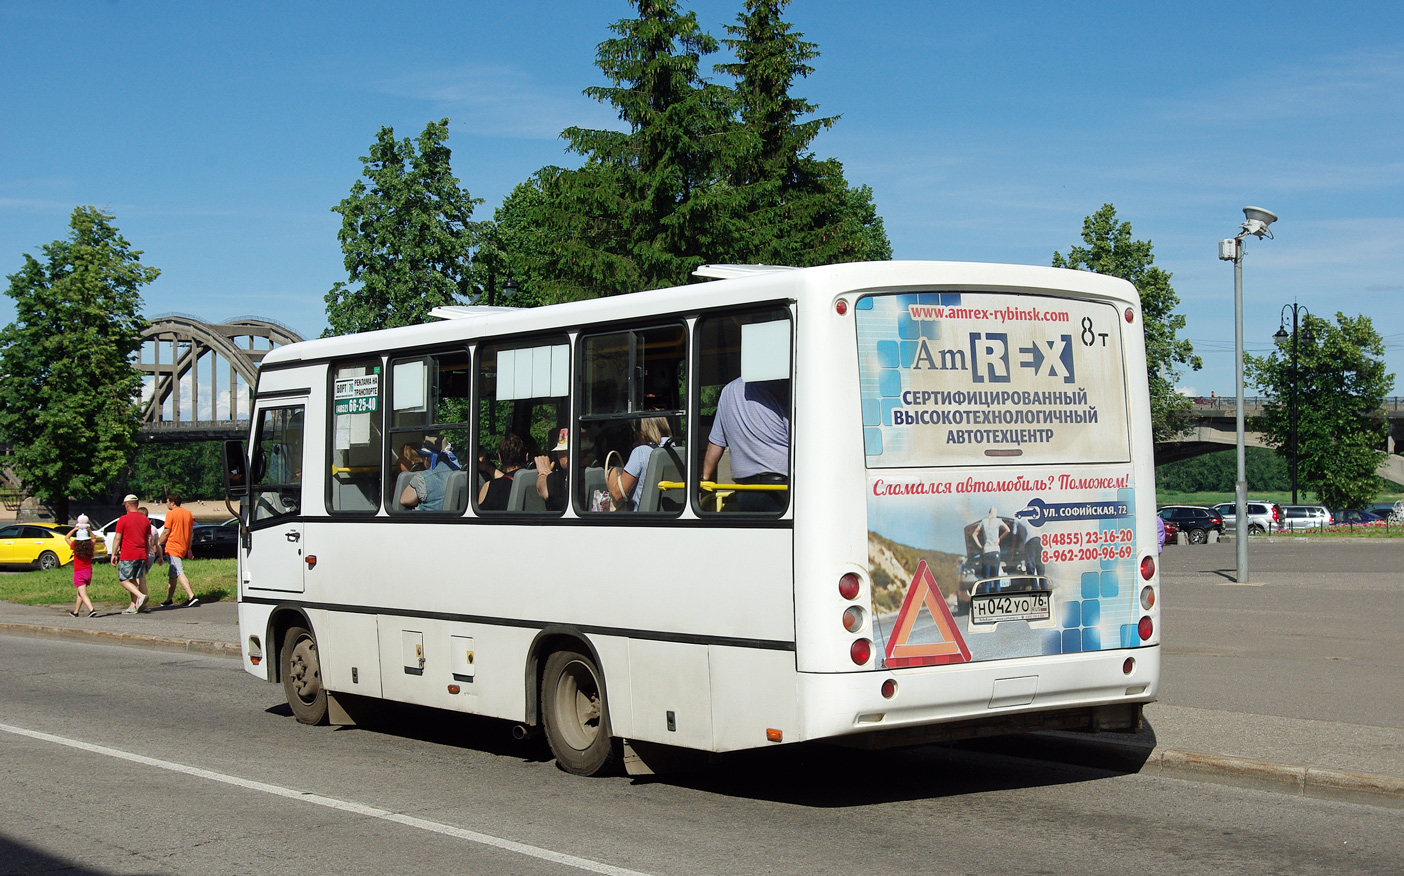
<point x="995" y="607"/>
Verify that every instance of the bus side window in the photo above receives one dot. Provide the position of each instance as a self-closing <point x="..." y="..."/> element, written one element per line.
<point x="633" y="386"/>
<point x="429" y="434"/>
<point x="277" y="464"/>
<point x="352" y="487"/>
<point x="743" y="406"/>
<point x="523" y="408"/>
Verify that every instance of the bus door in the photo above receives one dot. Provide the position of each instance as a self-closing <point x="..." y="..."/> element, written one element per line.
<point x="273" y="552"/>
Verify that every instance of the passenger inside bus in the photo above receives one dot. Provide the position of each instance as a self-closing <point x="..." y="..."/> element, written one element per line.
<point x="552" y="472"/>
<point x="654" y="433"/>
<point x="512" y="454"/>
<point x="753" y="422"/>
<point x="428" y="488"/>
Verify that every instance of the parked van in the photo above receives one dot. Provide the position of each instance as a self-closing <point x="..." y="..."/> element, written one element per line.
<point x="1306" y="517"/>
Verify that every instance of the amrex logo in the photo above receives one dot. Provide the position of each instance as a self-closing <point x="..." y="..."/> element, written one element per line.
<point x="988" y="358"/>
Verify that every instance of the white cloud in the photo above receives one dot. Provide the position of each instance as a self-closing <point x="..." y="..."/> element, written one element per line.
<point x="504" y="101"/>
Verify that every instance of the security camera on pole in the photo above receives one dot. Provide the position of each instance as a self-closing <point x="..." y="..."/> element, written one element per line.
<point x="1256" y="222"/>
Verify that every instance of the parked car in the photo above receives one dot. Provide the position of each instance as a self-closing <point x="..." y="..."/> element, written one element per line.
<point x="207" y="540"/>
<point x="99" y="549"/>
<point x="1357" y="517"/>
<point x="109" y="529"/>
<point x="34" y="544"/>
<point x="1172" y="533"/>
<point x="1262" y="516"/>
<point x="1298" y="517"/>
<point x="1194" y="521"/>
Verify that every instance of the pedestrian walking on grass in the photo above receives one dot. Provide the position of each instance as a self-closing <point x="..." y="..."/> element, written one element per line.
<point x="175" y="544"/>
<point x="80" y="541"/>
<point x="129" y="551"/>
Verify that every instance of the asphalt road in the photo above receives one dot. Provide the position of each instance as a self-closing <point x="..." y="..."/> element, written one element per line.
<point x="1316" y="636"/>
<point x="160" y="763"/>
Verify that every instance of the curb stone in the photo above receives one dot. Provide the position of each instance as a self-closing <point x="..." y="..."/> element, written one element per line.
<point x="1102" y="751"/>
<point x="137" y="640"/>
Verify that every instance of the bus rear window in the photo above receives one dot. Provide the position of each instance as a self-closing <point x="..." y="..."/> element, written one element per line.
<point x="961" y="378"/>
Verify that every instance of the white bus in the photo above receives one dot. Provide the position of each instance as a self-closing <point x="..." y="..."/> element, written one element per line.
<point x="875" y="503"/>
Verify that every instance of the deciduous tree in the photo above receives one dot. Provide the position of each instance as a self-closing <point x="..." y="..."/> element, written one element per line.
<point x="69" y="395"/>
<point x="407" y="236"/>
<point x="1109" y="249"/>
<point x="1341" y="385"/>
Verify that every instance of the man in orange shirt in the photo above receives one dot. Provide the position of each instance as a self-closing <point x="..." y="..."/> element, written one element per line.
<point x="175" y="541"/>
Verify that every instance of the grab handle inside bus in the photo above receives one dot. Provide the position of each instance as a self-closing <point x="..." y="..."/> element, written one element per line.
<point x="713" y="486"/>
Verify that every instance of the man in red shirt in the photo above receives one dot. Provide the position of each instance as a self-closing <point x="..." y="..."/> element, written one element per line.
<point x="175" y="540"/>
<point x="133" y="534"/>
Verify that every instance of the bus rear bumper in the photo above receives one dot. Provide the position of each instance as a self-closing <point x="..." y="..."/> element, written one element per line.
<point x="1062" y="692"/>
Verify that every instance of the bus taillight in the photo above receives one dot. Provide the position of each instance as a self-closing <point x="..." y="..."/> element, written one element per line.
<point x="861" y="651"/>
<point x="1148" y="567"/>
<point x="853" y="618"/>
<point x="1147" y="597"/>
<point x="1145" y="628"/>
<point x="849" y="585"/>
<point x="1130" y="314"/>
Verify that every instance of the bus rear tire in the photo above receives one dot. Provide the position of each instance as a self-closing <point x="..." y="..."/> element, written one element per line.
<point x="302" y="676"/>
<point x="576" y="715"/>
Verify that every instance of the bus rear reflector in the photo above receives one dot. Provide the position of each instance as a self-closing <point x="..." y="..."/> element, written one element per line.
<point x="1147" y="597"/>
<point x="841" y="307"/>
<point x="853" y="619"/>
<point x="889" y="689"/>
<point x="774" y="735"/>
<point x="849" y="585"/>
<point x="1128" y="666"/>
<point x="1130" y="314"/>
<point x="1145" y="628"/>
<point x="861" y="651"/>
<point x="1148" y="567"/>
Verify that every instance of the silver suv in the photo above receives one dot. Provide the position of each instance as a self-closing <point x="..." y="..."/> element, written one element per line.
<point x="1306" y="517"/>
<point x="1262" y="516"/>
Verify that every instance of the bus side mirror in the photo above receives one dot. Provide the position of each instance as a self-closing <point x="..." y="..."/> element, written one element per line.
<point x="236" y="475"/>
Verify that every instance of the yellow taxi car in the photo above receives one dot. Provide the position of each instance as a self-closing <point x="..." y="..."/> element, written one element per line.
<point x="40" y="544"/>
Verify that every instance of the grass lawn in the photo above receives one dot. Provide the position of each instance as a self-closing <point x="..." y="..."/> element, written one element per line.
<point x="212" y="580"/>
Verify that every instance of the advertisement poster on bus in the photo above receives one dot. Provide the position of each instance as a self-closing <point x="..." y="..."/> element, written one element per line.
<point x="1001" y="497"/>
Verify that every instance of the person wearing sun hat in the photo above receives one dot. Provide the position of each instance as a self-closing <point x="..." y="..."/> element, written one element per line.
<point x="80" y="540"/>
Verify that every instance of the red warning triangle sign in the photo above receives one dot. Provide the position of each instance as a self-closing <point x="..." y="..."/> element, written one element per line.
<point x="951" y="648"/>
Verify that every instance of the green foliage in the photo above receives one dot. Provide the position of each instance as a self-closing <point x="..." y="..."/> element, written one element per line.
<point x="69" y="396"/>
<point x="407" y="237"/>
<point x="194" y="470"/>
<point x="1217" y="472"/>
<point x="702" y="172"/>
<point x="1110" y="250"/>
<point x="796" y="209"/>
<point x="1341" y="385"/>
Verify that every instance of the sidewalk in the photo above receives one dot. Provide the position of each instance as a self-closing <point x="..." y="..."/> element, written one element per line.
<point x="1317" y="758"/>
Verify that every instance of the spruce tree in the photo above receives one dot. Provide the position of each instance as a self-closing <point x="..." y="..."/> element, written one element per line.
<point x="798" y="210"/>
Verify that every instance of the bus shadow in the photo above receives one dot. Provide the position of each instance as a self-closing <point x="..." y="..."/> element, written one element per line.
<point x="828" y="776"/>
<point x="440" y="727"/>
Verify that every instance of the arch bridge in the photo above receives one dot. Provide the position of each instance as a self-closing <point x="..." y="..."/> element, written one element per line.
<point x="1214" y="426"/>
<point x="196" y="376"/>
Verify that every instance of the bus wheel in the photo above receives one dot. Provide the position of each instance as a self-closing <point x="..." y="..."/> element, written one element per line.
<point x="48" y="560"/>
<point x="302" y="677"/>
<point x="577" y="722"/>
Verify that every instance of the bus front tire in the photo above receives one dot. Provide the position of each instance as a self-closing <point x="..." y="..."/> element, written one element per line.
<point x="575" y="714"/>
<point x="302" y="676"/>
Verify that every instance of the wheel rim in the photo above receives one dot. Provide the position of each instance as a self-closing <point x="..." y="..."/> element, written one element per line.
<point x="48" y="560"/>
<point x="577" y="702"/>
<point x="304" y="671"/>
<point x="1198" y="536"/>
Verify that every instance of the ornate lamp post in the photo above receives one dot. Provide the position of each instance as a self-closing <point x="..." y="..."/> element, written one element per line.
<point x="1256" y="222"/>
<point x="1281" y="335"/>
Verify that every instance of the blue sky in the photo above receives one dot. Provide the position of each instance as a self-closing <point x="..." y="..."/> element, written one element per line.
<point x="221" y="135"/>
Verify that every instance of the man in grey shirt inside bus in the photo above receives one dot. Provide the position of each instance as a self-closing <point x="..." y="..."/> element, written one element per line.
<point x="753" y="420"/>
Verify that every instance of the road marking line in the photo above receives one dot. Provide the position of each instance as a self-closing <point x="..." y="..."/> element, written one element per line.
<point x="333" y="803"/>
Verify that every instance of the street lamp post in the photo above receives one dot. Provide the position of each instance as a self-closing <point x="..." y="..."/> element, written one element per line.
<point x="1281" y="335"/>
<point x="1256" y="222"/>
